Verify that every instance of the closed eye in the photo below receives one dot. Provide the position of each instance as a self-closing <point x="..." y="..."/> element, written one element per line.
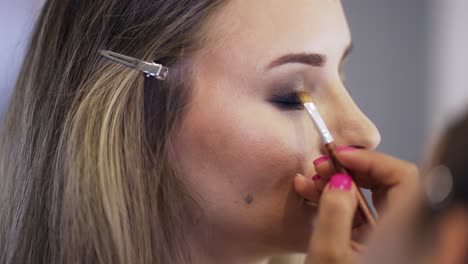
<point x="288" y="101"/>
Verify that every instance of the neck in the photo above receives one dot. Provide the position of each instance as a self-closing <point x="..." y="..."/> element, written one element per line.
<point x="217" y="257"/>
<point x="216" y="248"/>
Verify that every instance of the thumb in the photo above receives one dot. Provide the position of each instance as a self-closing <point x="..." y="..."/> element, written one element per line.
<point x="332" y="231"/>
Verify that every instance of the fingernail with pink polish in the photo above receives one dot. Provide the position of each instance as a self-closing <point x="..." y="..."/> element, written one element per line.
<point x="340" y="182"/>
<point x="345" y="148"/>
<point x="316" y="177"/>
<point x="320" y="160"/>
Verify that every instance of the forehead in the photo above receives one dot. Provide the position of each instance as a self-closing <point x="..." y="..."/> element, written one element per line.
<point x="263" y="29"/>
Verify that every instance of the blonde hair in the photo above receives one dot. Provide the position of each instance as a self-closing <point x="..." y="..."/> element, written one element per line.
<point x="86" y="173"/>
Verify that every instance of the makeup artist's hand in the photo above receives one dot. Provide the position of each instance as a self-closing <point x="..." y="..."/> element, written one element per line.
<point x="330" y="242"/>
<point x="393" y="182"/>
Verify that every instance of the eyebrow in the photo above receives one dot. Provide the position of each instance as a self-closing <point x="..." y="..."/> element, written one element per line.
<point x="312" y="59"/>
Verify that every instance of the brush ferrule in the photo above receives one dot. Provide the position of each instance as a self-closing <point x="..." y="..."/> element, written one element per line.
<point x="318" y="122"/>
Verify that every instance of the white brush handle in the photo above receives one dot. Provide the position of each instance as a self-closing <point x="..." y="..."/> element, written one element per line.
<point x="318" y="122"/>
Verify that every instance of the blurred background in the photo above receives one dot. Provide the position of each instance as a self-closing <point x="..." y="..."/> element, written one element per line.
<point x="406" y="71"/>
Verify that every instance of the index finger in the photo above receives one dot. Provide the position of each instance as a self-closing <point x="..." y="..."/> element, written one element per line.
<point x="332" y="231"/>
<point x="373" y="169"/>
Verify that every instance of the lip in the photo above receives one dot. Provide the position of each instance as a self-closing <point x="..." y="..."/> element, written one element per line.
<point x="358" y="220"/>
<point x="311" y="205"/>
<point x="360" y="228"/>
<point x="359" y="233"/>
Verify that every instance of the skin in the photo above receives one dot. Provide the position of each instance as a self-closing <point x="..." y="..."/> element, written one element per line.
<point x="396" y="191"/>
<point x="238" y="151"/>
<point x="401" y="235"/>
<point x="399" y="238"/>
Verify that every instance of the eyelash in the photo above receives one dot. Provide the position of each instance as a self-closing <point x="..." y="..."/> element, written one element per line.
<point x="287" y="102"/>
<point x="290" y="101"/>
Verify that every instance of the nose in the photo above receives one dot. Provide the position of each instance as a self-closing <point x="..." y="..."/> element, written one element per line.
<point x="348" y="124"/>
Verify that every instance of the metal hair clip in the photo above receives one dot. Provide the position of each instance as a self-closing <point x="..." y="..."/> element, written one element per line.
<point x="149" y="68"/>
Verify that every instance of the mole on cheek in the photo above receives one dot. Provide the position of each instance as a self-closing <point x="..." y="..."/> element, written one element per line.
<point x="248" y="199"/>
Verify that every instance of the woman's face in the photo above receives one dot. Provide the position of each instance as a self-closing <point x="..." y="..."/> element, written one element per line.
<point x="245" y="137"/>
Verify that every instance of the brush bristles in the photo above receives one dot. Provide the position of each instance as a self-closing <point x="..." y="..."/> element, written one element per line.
<point x="304" y="97"/>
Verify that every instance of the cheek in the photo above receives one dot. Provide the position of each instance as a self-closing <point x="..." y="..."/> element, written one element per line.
<point x="233" y="152"/>
<point x="240" y="166"/>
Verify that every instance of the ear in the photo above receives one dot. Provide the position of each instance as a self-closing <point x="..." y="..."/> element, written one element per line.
<point x="452" y="236"/>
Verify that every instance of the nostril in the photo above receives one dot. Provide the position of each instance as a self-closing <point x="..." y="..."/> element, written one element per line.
<point x="357" y="131"/>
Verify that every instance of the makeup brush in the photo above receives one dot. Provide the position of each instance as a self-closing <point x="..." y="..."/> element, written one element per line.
<point x="331" y="149"/>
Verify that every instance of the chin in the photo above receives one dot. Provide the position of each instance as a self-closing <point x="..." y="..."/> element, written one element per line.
<point x="298" y="228"/>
